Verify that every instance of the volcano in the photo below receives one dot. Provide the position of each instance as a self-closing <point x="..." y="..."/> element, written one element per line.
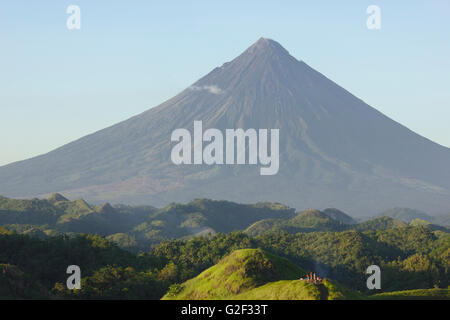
<point x="334" y="149"/>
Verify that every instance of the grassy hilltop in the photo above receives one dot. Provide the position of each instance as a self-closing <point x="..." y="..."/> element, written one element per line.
<point x="238" y="272"/>
<point x="254" y="274"/>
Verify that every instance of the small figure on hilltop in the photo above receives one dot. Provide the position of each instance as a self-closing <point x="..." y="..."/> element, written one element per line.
<point x="312" y="278"/>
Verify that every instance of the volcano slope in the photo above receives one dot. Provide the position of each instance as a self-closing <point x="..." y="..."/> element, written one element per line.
<point x="335" y="150"/>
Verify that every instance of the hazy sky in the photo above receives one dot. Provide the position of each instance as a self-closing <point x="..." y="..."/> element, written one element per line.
<point x="57" y="85"/>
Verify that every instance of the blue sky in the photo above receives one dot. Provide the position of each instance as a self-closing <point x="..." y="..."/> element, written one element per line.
<point x="57" y="85"/>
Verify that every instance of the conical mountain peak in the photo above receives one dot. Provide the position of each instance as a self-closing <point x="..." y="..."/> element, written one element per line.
<point x="265" y="46"/>
<point x="263" y="65"/>
<point x="335" y="150"/>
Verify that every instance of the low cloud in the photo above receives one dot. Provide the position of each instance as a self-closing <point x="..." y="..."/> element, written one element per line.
<point x="211" y="89"/>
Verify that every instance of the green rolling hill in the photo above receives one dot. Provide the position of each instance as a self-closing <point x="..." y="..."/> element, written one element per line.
<point x="327" y="220"/>
<point x="306" y="221"/>
<point x="254" y="274"/>
<point x="338" y="215"/>
<point x="238" y="272"/>
<point x="405" y="214"/>
<point x="57" y="215"/>
<point x="380" y="223"/>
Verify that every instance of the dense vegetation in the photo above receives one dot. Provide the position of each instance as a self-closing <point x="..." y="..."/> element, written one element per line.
<point x="134" y="228"/>
<point x="35" y="252"/>
<point x="410" y="259"/>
